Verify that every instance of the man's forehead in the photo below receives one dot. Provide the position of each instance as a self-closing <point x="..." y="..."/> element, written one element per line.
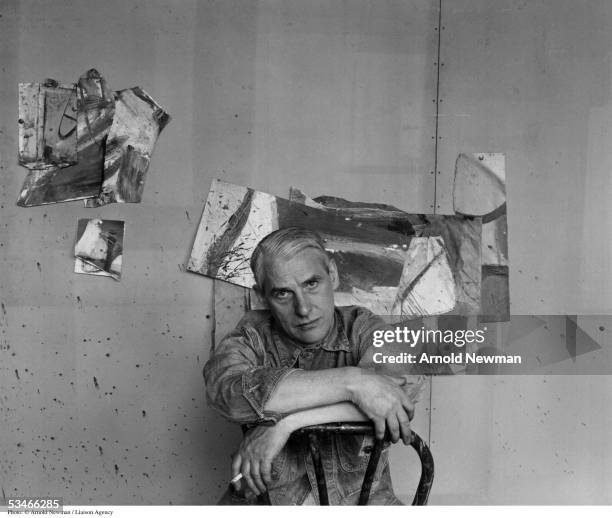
<point x="297" y="267"/>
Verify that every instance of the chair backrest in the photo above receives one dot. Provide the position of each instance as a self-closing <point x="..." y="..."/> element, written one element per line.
<point x="366" y="428"/>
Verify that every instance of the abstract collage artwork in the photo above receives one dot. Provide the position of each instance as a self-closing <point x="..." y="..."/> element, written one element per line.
<point x="128" y="152"/>
<point x="439" y="243"/>
<point x="480" y="190"/>
<point x="84" y="141"/>
<point x="98" y="249"/>
<point x="390" y="261"/>
<point x="45" y="124"/>
<point x="236" y="218"/>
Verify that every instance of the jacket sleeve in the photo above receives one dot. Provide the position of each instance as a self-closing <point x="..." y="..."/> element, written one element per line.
<point x="239" y="380"/>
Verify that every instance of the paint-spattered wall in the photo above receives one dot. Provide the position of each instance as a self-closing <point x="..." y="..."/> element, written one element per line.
<point x="101" y="381"/>
<point x="101" y="389"/>
<point x="102" y="392"/>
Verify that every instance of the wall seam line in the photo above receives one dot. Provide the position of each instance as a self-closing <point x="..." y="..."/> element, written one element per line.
<point x="437" y="115"/>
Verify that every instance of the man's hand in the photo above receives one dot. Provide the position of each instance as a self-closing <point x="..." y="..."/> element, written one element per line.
<point x="382" y="399"/>
<point x="257" y="450"/>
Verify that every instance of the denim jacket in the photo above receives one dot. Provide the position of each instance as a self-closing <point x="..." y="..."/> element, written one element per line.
<point x="245" y="368"/>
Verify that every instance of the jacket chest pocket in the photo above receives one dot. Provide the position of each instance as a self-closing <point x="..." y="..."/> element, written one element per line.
<point x="354" y="454"/>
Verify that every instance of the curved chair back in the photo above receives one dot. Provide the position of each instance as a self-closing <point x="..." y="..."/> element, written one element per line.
<point x="365" y="428"/>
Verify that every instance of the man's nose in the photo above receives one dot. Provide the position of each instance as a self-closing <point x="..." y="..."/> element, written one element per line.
<point x="301" y="304"/>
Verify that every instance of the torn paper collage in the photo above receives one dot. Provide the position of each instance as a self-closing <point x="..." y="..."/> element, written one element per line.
<point x="136" y="125"/>
<point x="98" y="249"/>
<point x="83" y="141"/>
<point x="389" y="260"/>
<point x="62" y="131"/>
<point x="480" y="190"/>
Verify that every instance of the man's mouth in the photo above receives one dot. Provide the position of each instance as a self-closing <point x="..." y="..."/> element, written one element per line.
<point x="308" y="325"/>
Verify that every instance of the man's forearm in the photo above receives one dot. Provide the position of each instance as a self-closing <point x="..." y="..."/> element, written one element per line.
<point x="301" y="390"/>
<point x="321" y="415"/>
<point x="381" y="398"/>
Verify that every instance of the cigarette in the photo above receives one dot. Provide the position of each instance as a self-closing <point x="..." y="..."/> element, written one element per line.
<point x="236" y="478"/>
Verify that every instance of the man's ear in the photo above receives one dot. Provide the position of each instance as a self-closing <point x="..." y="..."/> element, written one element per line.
<point x="333" y="274"/>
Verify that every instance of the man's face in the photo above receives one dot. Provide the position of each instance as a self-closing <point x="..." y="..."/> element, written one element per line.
<point x="299" y="291"/>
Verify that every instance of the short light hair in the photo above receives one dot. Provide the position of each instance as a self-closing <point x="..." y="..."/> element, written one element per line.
<point x="285" y="242"/>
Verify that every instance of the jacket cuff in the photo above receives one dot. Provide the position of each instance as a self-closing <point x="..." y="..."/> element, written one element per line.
<point x="258" y="384"/>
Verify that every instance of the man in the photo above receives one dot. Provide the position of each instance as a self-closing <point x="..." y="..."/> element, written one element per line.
<point x="303" y="362"/>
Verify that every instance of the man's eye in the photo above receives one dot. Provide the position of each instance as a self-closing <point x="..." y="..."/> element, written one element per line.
<point x="281" y="294"/>
<point x="312" y="284"/>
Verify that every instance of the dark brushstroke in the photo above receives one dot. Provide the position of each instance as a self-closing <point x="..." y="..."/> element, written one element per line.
<point x="453" y="230"/>
<point x="406" y="291"/>
<point x="495" y="269"/>
<point x="497" y="213"/>
<point x="222" y="248"/>
<point x="500" y="238"/>
<point x="292" y="214"/>
<point x="366" y="272"/>
<point x="425" y="225"/>
<point x="380" y="215"/>
<point x="570" y="335"/>
<point x="130" y="184"/>
<point x="495" y="298"/>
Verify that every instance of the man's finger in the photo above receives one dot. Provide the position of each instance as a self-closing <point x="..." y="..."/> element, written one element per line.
<point x="256" y="476"/>
<point x="404" y="422"/>
<point x="394" y="428"/>
<point x="246" y="471"/>
<point x="379" y="428"/>
<point x="236" y="463"/>
<point x="408" y="406"/>
<point x="265" y="469"/>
